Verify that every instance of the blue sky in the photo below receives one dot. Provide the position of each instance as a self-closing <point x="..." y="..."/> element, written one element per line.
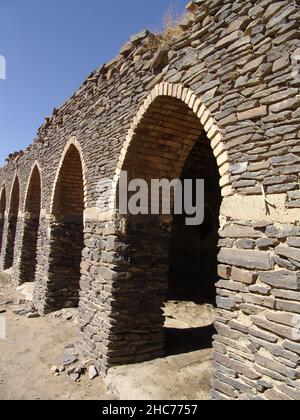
<point x="50" y="46"/>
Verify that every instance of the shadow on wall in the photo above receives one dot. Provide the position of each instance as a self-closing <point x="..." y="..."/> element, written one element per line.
<point x="12" y="225"/>
<point x="188" y="340"/>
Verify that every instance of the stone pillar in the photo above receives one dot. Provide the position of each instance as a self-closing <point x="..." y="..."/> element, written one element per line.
<point x="26" y="250"/>
<point x="257" y="349"/>
<point x="42" y="266"/>
<point x="4" y="242"/>
<point x="123" y="287"/>
<point x="11" y="241"/>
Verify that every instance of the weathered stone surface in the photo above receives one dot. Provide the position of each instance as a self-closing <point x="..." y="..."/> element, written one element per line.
<point x="290" y="306"/>
<point x="260" y="289"/>
<point x="225" y="303"/>
<point x="227" y="40"/>
<point x="241" y="368"/>
<point x="239" y="231"/>
<point x="276" y="367"/>
<point x="247" y="259"/>
<point x="243" y="276"/>
<point x="229" y="73"/>
<point x="161" y="58"/>
<point x="286" y="294"/>
<point x="288" y="252"/>
<point x="284" y="318"/>
<point x="281" y="63"/>
<point x="281" y="279"/>
<point x="294" y="347"/>
<point x="245" y="244"/>
<point x="266" y="243"/>
<point x="253" y="113"/>
<point x="271" y="338"/>
<point x="224" y="271"/>
<point x="284" y="105"/>
<point x="281" y="331"/>
<point x="264" y="301"/>
<point x="294" y="242"/>
<point x="225" y="389"/>
<point x="290" y="392"/>
<point x="282" y="232"/>
<point x="92" y="372"/>
<point x="230" y="285"/>
<point x="274" y="395"/>
<point x="253" y="65"/>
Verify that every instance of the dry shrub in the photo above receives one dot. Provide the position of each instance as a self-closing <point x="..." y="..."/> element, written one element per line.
<point x="170" y="29"/>
<point x="171" y="24"/>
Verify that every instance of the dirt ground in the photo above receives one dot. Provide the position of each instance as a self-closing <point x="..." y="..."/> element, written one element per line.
<point x="186" y="371"/>
<point x="31" y="348"/>
<point x="34" y="345"/>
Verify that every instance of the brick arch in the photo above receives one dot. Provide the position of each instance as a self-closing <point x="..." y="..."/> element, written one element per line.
<point x="66" y="230"/>
<point x="13" y="213"/>
<point x="34" y="180"/>
<point x="170" y="126"/>
<point x="201" y="113"/>
<point x="31" y="220"/>
<point x="72" y="145"/>
<point x="2" y="213"/>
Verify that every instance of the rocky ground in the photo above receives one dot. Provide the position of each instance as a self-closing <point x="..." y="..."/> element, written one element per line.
<point x="34" y="347"/>
<point x="38" y="360"/>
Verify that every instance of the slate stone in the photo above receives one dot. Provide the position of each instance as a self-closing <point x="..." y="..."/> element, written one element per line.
<point x="225" y="303"/>
<point x="288" y="252"/>
<point x="69" y="359"/>
<point x="259" y="260"/>
<point x="294" y="242"/>
<point x="266" y="243"/>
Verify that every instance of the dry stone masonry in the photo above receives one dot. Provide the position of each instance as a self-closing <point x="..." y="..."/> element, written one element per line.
<point x="229" y="79"/>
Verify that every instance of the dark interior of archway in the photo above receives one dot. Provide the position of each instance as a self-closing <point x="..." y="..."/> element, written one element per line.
<point x="31" y="228"/>
<point x="193" y="257"/>
<point x="12" y="225"/>
<point x="168" y="263"/>
<point x="2" y="215"/>
<point x="67" y="239"/>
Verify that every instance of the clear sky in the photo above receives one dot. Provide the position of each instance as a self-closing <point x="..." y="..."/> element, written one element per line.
<point x="51" y="46"/>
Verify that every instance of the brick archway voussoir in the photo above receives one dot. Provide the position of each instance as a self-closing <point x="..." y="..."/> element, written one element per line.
<point x="72" y="142"/>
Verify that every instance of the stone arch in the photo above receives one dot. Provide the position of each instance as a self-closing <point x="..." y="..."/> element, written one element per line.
<point x="31" y="221"/>
<point x="66" y="227"/>
<point x="171" y="125"/>
<point x="195" y="104"/>
<point x="2" y="213"/>
<point x="13" y="213"/>
<point x="35" y="172"/>
<point x="74" y="144"/>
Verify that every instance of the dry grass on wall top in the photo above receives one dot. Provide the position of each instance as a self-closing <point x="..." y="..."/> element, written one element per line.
<point x="171" y="24"/>
<point x="171" y="28"/>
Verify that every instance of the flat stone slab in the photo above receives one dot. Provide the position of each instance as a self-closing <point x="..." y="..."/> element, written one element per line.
<point x="27" y="291"/>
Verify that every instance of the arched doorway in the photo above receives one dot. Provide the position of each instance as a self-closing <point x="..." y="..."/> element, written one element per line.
<point x="191" y="295"/>
<point x="12" y="224"/>
<point x="167" y="260"/>
<point x="67" y="239"/>
<point x="2" y="214"/>
<point x="31" y="227"/>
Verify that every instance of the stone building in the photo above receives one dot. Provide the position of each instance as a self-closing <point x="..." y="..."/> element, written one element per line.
<point x="219" y="101"/>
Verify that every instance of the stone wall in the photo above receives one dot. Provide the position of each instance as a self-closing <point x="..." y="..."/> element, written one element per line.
<point x="232" y="72"/>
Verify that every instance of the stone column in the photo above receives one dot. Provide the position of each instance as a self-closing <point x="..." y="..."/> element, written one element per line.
<point x="123" y="287"/>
